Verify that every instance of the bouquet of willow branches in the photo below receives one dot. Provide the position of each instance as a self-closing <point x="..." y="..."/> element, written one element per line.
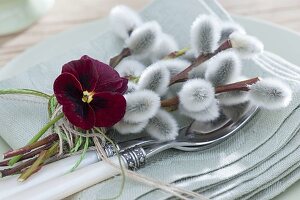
<point x="91" y="97"/>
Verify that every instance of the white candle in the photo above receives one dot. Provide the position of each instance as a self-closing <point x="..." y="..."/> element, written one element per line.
<point x="10" y="186"/>
<point x="70" y="183"/>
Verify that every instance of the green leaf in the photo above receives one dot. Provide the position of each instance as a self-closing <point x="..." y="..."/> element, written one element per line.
<point x="25" y="92"/>
<point x="85" y="148"/>
<point x="78" y="143"/>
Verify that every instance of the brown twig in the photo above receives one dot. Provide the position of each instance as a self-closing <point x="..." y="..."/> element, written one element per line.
<point x="28" y="155"/>
<point x="237" y="86"/>
<point x="170" y="102"/>
<point x="44" y="155"/>
<point x="4" y="163"/>
<point x="240" y="86"/>
<point x="47" y="140"/>
<point x="114" y="61"/>
<point x="182" y="76"/>
<point x="17" y="169"/>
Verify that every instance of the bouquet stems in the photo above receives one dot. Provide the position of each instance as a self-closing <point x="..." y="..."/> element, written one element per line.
<point x="37" y="137"/>
<point x="17" y="169"/>
<point x="44" y="155"/>
<point x="28" y="148"/>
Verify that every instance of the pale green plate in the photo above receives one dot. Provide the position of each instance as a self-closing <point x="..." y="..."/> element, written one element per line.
<point x="272" y="36"/>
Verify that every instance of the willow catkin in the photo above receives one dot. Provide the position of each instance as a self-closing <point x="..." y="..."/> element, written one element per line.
<point x="123" y="21"/>
<point x="196" y="95"/>
<point x="144" y="38"/>
<point x="155" y="78"/>
<point x="270" y="93"/>
<point x="162" y="126"/>
<point x="205" y="34"/>
<point x="223" y="68"/>
<point x="141" y="106"/>
<point x="246" y="46"/>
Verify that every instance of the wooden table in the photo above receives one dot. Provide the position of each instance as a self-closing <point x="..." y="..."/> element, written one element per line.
<point x="67" y="14"/>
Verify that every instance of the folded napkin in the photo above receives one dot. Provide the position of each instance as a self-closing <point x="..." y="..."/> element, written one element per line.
<point x="214" y="171"/>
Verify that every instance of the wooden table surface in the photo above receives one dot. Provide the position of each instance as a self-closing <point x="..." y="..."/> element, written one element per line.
<point x="66" y="14"/>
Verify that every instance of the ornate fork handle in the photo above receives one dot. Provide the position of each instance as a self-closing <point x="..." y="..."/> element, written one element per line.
<point x="134" y="157"/>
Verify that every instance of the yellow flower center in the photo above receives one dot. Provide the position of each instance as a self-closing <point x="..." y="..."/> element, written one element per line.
<point x="87" y="97"/>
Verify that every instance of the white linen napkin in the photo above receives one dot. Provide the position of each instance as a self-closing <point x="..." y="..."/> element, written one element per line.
<point x="255" y="143"/>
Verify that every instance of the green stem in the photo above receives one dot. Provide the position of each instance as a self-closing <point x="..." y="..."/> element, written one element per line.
<point x="26" y="92"/>
<point x="37" y="137"/>
<point x="52" y="103"/>
<point x="85" y="148"/>
<point x="134" y="79"/>
<point x="46" y="154"/>
<point x="176" y="54"/>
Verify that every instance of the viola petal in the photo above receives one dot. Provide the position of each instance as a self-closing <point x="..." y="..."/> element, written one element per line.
<point x="67" y="89"/>
<point x="118" y="85"/>
<point x="80" y="115"/>
<point x="105" y="73"/>
<point x="84" y="70"/>
<point x="95" y="75"/>
<point x="109" y="108"/>
<point x="123" y="87"/>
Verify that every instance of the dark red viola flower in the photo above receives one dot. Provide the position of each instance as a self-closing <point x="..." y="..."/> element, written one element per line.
<point x="91" y="93"/>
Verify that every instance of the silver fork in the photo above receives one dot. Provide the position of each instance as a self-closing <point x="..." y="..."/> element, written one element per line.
<point x="134" y="154"/>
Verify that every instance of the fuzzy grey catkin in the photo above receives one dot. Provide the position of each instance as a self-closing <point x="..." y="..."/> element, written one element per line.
<point x="210" y="113"/>
<point x="155" y="78"/>
<point x="125" y="128"/>
<point x="223" y="68"/>
<point x="205" y="34"/>
<point x="162" y="126"/>
<point x="174" y="66"/>
<point x="144" y="38"/>
<point x="232" y="97"/>
<point x="141" y="106"/>
<point x="228" y="28"/>
<point x="130" y="67"/>
<point x="270" y="93"/>
<point x="165" y="45"/>
<point x="123" y="21"/>
<point x="131" y="87"/>
<point x="246" y="46"/>
<point x="196" y="95"/>
<point x="198" y="72"/>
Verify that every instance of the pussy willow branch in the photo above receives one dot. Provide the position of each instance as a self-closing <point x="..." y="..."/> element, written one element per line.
<point x="114" y="61"/>
<point x="17" y="169"/>
<point x="29" y="155"/>
<point x="237" y="86"/>
<point x="49" y="139"/>
<point x="183" y="75"/>
<point x="38" y="136"/>
<point x="43" y="156"/>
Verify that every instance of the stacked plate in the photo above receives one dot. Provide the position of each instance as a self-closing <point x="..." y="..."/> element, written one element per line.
<point x="258" y="162"/>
